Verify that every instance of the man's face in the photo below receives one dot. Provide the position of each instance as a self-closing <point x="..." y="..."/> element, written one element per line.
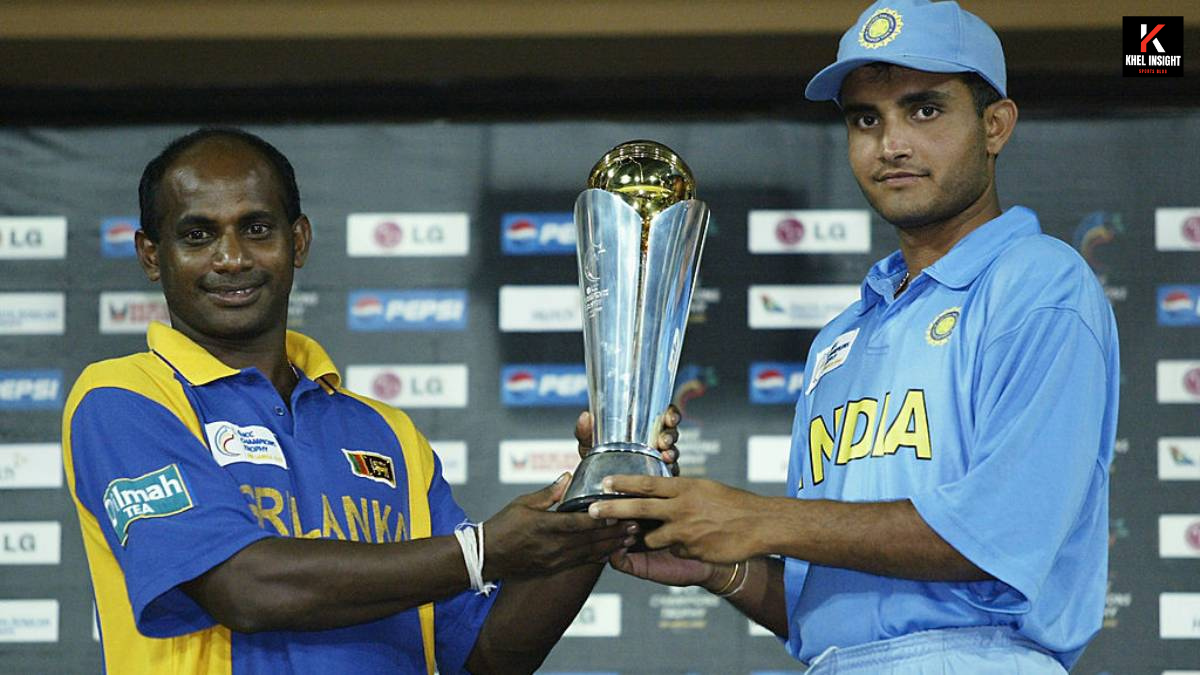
<point x="917" y="146"/>
<point x="226" y="251"/>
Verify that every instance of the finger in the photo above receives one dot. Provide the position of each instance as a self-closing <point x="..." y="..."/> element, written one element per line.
<point x="547" y="496"/>
<point x="667" y="439"/>
<point x="673" y="416"/>
<point x="646" y="486"/>
<point x="631" y="509"/>
<point x="583" y="429"/>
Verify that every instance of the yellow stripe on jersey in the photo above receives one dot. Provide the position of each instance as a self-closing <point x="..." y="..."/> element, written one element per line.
<point x="206" y="652"/>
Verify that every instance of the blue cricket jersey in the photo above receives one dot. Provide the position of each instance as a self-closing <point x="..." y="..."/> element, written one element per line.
<point x="987" y="395"/>
<point x="176" y="462"/>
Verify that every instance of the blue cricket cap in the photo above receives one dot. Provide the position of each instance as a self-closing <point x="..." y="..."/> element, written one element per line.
<point x="937" y="37"/>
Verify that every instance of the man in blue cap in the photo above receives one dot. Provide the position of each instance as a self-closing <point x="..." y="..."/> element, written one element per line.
<point x="948" y="483"/>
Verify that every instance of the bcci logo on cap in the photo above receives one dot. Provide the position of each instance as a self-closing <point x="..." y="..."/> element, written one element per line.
<point x="883" y="27"/>
<point x="1153" y="46"/>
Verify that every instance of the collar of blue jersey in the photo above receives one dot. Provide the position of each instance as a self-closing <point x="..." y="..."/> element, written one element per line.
<point x="199" y="367"/>
<point x="965" y="261"/>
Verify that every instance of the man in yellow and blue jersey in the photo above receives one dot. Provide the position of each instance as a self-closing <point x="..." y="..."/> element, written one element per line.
<point x="948" y="482"/>
<point x="243" y="513"/>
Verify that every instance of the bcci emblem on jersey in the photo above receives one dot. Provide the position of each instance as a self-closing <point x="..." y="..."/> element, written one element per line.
<point x="942" y="326"/>
<point x="371" y="466"/>
<point x="153" y="495"/>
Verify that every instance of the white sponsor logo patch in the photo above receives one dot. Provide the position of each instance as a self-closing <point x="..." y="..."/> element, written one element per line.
<point x="810" y="231"/>
<point x="756" y="630"/>
<point x="831" y="357"/>
<point x="33" y="238"/>
<point x="231" y="444"/>
<point x="31" y="465"/>
<point x="407" y="234"/>
<point x="131" y="311"/>
<point x="1179" y="458"/>
<point x="28" y="620"/>
<point x="454" y="460"/>
<point x="540" y="309"/>
<point x="1179" y="616"/>
<point x="411" y="386"/>
<point x="600" y="616"/>
<point x="798" y="306"/>
<point x="767" y="458"/>
<point x="30" y="543"/>
<point x="536" y="461"/>
<point x="1179" y="535"/>
<point x="1177" y="229"/>
<point x="1178" y="381"/>
<point x="32" y="313"/>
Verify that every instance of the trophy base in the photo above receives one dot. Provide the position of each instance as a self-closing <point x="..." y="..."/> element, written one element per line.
<point x="610" y="459"/>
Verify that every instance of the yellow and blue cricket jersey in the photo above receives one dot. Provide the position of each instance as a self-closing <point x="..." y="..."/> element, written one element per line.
<point x="177" y="461"/>
<point x="987" y="395"/>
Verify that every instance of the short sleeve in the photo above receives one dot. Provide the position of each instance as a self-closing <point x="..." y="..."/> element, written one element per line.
<point x="1036" y="458"/>
<point x="168" y="512"/>
<point x="457" y="619"/>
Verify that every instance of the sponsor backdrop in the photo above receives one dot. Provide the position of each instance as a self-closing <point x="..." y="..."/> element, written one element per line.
<point x="443" y="281"/>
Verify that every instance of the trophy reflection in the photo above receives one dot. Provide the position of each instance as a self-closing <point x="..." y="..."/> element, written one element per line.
<point x="640" y="233"/>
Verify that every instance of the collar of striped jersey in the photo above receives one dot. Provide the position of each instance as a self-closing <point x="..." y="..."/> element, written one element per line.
<point x="199" y="367"/>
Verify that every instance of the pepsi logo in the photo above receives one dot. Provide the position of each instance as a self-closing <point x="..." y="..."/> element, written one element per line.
<point x="1177" y="301"/>
<point x="769" y="380"/>
<point x="366" y="306"/>
<point x="1191" y="229"/>
<point x="521" y="382"/>
<point x="388" y="234"/>
<point x="120" y="233"/>
<point x="386" y="386"/>
<point x="1191" y="381"/>
<point x="789" y="231"/>
<point x="522" y="230"/>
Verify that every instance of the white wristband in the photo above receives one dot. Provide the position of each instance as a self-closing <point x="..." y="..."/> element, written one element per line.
<point x="470" y="540"/>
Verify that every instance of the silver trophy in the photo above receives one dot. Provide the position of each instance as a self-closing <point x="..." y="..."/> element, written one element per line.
<point x="640" y="233"/>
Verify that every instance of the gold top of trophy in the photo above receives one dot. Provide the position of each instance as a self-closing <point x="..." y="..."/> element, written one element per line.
<point x="649" y="176"/>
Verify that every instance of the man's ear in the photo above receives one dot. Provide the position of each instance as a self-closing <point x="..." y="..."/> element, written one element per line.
<point x="147" y="253"/>
<point x="999" y="120"/>
<point x="301" y="240"/>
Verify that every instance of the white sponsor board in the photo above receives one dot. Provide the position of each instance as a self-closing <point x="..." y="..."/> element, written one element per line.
<point x="1177" y="229"/>
<point x="32" y="313"/>
<point x="600" y="616"/>
<point x="809" y="231"/>
<point x="540" y="309"/>
<point x="33" y="237"/>
<point x="411" y="386"/>
<point x="1179" y="616"/>
<point x="1178" y="381"/>
<point x="30" y="465"/>
<point x="30" y="542"/>
<point x="537" y="462"/>
<point x="757" y="630"/>
<point x="28" y="620"/>
<point x="1179" y="458"/>
<point x="131" y="311"/>
<point x="798" y="306"/>
<point x="454" y="460"/>
<point x="407" y="234"/>
<point x="1179" y="535"/>
<point x="767" y="458"/>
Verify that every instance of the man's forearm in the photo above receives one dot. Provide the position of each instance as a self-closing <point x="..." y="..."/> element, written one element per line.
<point x="883" y="538"/>
<point x="316" y="584"/>
<point x="528" y="619"/>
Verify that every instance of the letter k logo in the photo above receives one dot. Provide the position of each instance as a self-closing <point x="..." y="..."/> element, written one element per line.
<point x="1151" y="38"/>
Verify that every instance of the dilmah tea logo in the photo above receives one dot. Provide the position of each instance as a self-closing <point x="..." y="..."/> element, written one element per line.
<point x="1153" y="46"/>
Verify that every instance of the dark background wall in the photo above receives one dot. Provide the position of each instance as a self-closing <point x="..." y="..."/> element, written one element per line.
<point x="494" y="109"/>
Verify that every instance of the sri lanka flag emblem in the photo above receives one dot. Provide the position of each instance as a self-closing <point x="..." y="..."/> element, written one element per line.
<point x="372" y="466"/>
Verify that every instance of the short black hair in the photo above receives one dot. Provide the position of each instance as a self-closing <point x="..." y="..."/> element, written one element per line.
<point x="982" y="93"/>
<point x="152" y="176"/>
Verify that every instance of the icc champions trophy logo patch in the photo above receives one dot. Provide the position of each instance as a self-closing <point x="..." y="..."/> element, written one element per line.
<point x="942" y="326"/>
<point x="883" y="27"/>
